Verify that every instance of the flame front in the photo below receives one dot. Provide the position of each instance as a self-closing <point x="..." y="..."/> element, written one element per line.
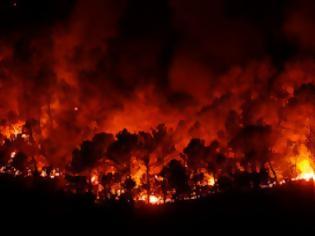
<point x="305" y="170"/>
<point x="160" y="106"/>
<point x="304" y="164"/>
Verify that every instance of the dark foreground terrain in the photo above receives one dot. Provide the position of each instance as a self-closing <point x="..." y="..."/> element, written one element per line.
<point x="36" y="208"/>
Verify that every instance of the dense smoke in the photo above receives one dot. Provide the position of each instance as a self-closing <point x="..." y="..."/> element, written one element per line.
<point x="227" y="79"/>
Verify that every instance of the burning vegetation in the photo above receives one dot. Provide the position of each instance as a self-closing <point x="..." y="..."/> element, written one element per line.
<point x="151" y="101"/>
<point x="148" y="167"/>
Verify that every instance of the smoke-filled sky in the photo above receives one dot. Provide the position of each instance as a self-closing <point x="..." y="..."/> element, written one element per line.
<point x="81" y="67"/>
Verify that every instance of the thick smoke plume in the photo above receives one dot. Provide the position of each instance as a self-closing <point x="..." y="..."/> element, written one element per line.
<point x="134" y="84"/>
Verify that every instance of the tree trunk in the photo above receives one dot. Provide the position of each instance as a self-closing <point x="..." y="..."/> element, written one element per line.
<point x="32" y="140"/>
<point x="215" y="181"/>
<point x="164" y="190"/>
<point x="273" y="172"/>
<point x="147" y="164"/>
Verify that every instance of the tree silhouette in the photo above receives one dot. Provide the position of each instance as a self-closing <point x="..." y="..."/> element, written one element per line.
<point x="20" y="162"/>
<point x="145" y="147"/>
<point x="107" y="181"/>
<point x="176" y="177"/>
<point x="90" y="152"/>
<point x="5" y="152"/>
<point x="197" y="153"/>
<point x="201" y="156"/>
<point x="128" y="186"/>
<point x="121" y="150"/>
<point x="164" y="141"/>
<point x="254" y="143"/>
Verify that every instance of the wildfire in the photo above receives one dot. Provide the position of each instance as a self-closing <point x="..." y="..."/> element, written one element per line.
<point x="304" y="164"/>
<point x="94" y="179"/>
<point x="210" y="181"/>
<point x="13" y="154"/>
<point x="12" y="130"/>
<point x="306" y="170"/>
<point x="171" y="181"/>
<point x="154" y="200"/>
<point x="55" y="173"/>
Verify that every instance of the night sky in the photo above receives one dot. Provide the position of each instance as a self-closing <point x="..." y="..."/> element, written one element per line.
<point x="225" y="32"/>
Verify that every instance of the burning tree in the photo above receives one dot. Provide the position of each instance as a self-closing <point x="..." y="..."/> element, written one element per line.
<point x="176" y="178"/>
<point x="253" y="145"/>
<point x="90" y="152"/>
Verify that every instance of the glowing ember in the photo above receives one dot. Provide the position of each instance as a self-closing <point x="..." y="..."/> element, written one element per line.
<point x="94" y="180"/>
<point x="55" y="173"/>
<point x="153" y="199"/>
<point x="43" y="174"/>
<point x="13" y="154"/>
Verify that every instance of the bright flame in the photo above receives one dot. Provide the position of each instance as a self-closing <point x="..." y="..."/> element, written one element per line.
<point x="304" y="163"/>
<point x="13" y="154"/>
<point x="210" y="180"/>
<point x="12" y="130"/>
<point x="55" y="173"/>
<point x="154" y="200"/>
<point x="306" y="170"/>
<point x="43" y="174"/>
<point x="94" y="179"/>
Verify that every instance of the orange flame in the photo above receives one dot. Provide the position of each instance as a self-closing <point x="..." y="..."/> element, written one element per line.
<point x="154" y="200"/>
<point x="306" y="170"/>
<point x="304" y="165"/>
<point x="12" y="129"/>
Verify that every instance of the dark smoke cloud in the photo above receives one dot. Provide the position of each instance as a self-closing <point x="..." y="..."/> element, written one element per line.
<point x="299" y="25"/>
<point x="82" y="67"/>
